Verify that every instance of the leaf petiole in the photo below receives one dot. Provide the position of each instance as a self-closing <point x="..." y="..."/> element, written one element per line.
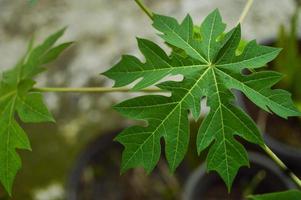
<point x="93" y="89"/>
<point x="277" y="160"/>
<point x="245" y="11"/>
<point x="145" y="9"/>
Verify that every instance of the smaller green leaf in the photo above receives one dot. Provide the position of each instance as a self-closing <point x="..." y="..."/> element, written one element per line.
<point x="16" y="97"/>
<point x="49" y="42"/>
<point x="53" y="53"/>
<point x="286" y="195"/>
<point x="35" y="58"/>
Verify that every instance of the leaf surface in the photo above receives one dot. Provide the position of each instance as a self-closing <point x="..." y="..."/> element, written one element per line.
<point x="211" y="68"/>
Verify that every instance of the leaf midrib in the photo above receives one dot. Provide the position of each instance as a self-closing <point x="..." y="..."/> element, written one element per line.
<point x="210" y="38"/>
<point x="160" y="69"/>
<point x="222" y="123"/>
<point x="11" y="113"/>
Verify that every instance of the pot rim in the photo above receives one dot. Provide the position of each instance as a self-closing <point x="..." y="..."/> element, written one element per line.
<point x="193" y="180"/>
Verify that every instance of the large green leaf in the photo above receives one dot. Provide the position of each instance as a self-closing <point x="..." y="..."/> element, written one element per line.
<point x="16" y="97"/>
<point x="211" y="69"/>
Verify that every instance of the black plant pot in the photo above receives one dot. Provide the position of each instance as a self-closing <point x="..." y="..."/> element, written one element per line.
<point x="96" y="175"/>
<point x="209" y="186"/>
<point x="287" y="153"/>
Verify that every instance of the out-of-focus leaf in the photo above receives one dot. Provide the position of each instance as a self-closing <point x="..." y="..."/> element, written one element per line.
<point x="16" y="97"/>
<point x="286" y="195"/>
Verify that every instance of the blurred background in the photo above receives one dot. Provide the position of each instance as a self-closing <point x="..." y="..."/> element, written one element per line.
<point x="76" y="157"/>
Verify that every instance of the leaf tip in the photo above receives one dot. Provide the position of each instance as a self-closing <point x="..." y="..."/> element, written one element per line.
<point x="172" y="168"/>
<point x="8" y="187"/>
<point x="105" y="73"/>
<point x="139" y="39"/>
<point x="64" y="28"/>
<point x="122" y="170"/>
<point x="52" y="120"/>
<point x="68" y="44"/>
<point x="216" y="12"/>
<point x="116" y="139"/>
<point x="148" y="170"/>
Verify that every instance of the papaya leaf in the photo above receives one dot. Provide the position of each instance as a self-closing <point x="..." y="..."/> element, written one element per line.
<point x="211" y="68"/>
<point x="16" y="97"/>
<point x="287" y="195"/>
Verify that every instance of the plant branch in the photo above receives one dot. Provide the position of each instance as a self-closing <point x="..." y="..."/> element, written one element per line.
<point x="292" y="175"/>
<point x="145" y="9"/>
<point x="245" y="11"/>
<point x="94" y="89"/>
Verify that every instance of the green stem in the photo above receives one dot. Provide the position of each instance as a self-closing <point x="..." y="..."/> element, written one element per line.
<point x="245" y="11"/>
<point x="94" y="89"/>
<point x="145" y="9"/>
<point x="292" y="175"/>
<point x="256" y="180"/>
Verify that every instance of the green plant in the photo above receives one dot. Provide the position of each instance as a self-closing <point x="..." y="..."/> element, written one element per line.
<point x="211" y="65"/>
<point x="288" y="62"/>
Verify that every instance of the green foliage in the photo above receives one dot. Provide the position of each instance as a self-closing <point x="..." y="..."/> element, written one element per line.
<point x="289" y="60"/>
<point x="212" y="67"/>
<point x="16" y="97"/>
<point x="286" y="195"/>
<point x="32" y="2"/>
